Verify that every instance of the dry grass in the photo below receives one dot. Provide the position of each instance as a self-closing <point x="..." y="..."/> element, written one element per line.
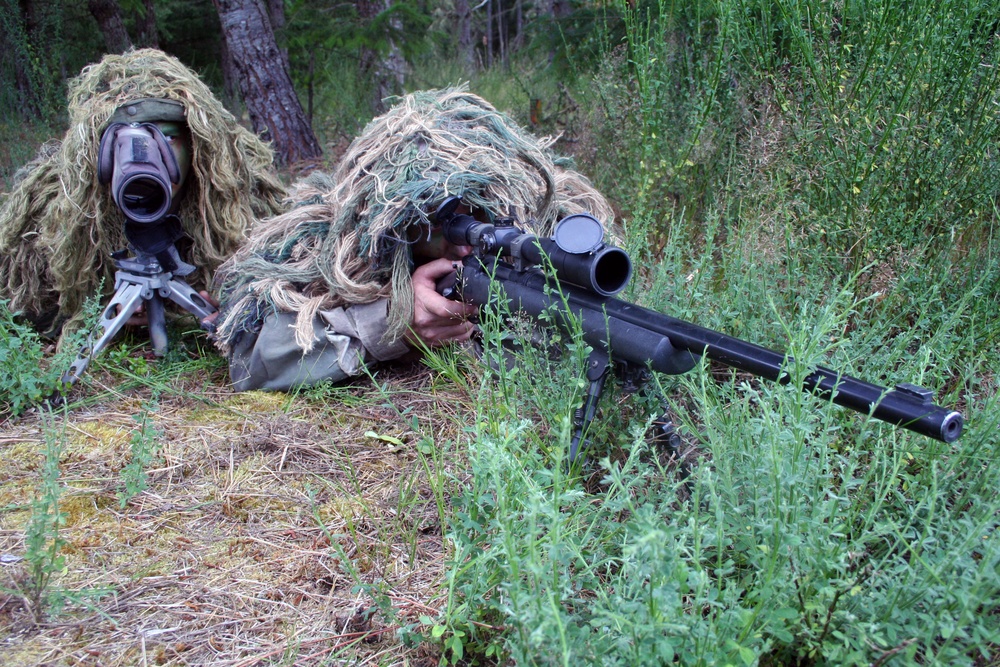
<point x="262" y="517"/>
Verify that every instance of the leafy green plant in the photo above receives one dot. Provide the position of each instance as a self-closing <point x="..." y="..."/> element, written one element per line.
<point x="27" y="375"/>
<point x="20" y="354"/>
<point x="899" y="102"/>
<point x="144" y="448"/>
<point x="37" y="572"/>
<point x="801" y="540"/>
<point x="30" y="34"/>
<point x="188" y="356"/>
<point x="805" y="534"/>
<point x="42" y="543"/>
<point x="669" y="78"/>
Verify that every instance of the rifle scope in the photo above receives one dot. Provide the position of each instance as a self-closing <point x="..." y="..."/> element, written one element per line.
<point x="576" y="250"/>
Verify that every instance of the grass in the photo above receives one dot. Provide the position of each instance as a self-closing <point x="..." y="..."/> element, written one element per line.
<point x="428" y="515"/>
<point x="805" y="534"/>
<point x="42" y="542"/>
<point x="261" y="521"/>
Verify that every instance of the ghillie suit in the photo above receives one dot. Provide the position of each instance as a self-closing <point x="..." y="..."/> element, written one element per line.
<point x="59" y="225"/>
<point x="347" y="240"/>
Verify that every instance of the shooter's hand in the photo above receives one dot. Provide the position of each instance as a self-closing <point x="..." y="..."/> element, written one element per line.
<point x="138" y="318"/>
<point x="437" y="320"/>
<point x="208" y="323"/>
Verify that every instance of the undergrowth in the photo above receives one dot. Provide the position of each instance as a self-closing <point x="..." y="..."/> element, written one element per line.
<point x="29" y="375"/>
<point x="805" y="535"/>
<point x="812" y="176"/>
<point x="42" y="542"/>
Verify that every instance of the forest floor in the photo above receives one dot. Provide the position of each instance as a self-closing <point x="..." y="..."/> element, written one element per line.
<point x="274" y="529"/>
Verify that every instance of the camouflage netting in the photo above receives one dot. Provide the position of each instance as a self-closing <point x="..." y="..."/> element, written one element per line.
<point x="347" y="240"/>
<point x="59" y="225"/>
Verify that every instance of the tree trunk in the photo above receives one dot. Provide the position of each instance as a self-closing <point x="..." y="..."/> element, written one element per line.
<point x="276" y="12"/>
<point x="393" y="66"/>
<point x="555" y="10"/>
<point x="266" y="88"/>
<point x="463" y="28"/>
<point x="230" y="81"/>
<point x="148" y="34"/>
<point x="310" y="86"/>
<point x="518" y="25"/>
<point x="500" y="35"/>
<point x="108" y="14"/>
<point x="387" y="73"/>
<point x="488" y="39"/>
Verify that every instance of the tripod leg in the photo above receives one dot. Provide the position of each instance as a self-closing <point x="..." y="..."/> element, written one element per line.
<point x="123" y="305"/>
<point x="187" y="298"/>
<point x="157" y="324"/>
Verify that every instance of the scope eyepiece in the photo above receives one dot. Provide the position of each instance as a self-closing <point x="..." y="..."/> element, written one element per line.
<point x="138" y="163"/>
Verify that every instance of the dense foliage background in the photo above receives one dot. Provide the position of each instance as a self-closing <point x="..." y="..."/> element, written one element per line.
<point x="811" y="175"/>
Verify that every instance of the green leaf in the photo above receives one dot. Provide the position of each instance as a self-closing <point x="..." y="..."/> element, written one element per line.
<point x="384" y="438"/>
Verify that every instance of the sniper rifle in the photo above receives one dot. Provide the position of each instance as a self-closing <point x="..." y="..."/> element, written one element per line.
<point x="588" y="273"/>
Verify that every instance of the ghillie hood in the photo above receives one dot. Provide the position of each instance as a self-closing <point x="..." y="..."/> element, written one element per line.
<point x="347" y="239"/>
<point x="59" y="225"/>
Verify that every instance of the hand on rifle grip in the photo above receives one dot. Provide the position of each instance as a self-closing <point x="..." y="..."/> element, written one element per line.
<point x="438" y="320"/>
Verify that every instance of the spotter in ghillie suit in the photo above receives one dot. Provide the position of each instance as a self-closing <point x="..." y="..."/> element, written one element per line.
<point x="60" y="224"/>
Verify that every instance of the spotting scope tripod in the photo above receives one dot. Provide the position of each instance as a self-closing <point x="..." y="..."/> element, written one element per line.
<point x="139" y="282"/>
<point x="136" y="161"/>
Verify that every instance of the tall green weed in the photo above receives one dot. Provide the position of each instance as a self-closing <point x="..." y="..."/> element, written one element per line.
<point x="36" y="577"/>
<point x="891" y="112"/>
<point x="804" y="535"/>
<point x="27" y="377"/>
<point x="665" y="108"/>
<point x="42" y="542"/>
<point x="875" y="126"/>
<point x="144" y="449"/>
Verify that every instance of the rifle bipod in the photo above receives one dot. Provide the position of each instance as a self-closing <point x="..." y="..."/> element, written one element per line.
<point x="139" y="280"/>
<point x="663" y="433"/>
<point x="598" y="365"/>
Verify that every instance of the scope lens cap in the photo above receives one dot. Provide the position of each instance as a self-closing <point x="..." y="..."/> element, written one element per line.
<point x="578" y="234"/>
<point x="446" y="210"/>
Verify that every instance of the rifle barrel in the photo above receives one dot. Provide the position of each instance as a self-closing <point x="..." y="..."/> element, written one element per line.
<point x="906" y="405"/>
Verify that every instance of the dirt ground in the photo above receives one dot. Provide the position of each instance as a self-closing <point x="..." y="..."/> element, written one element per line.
<point x="275" y="529"/>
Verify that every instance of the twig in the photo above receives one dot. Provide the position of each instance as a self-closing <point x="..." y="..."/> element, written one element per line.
<point x="319" y="640"/>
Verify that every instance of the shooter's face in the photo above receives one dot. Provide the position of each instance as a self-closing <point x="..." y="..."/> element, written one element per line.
<point x="179" y="139"/>
<point x="431" y="244"/>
